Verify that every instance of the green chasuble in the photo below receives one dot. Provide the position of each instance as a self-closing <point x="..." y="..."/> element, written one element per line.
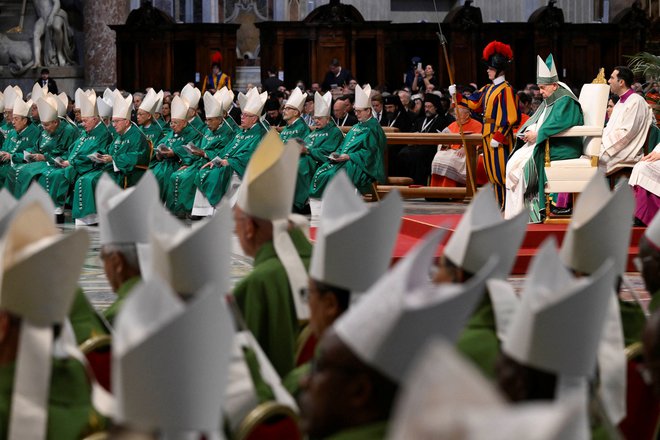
<point x="264" y="298"/>
<point x="51" y="146"/>
<point x="85" y="321"/>
<point x="164" y="168"/>
<point x="296" y="130"/>
<point x="130" y="159"/>
<point x="292" y="380"/>
<point x="374" y="431"/>
<point x="5" y="127"/>
<point x="153" y="133"/>
<point x="111" y="312"/>
<point x="632" y="321"/>
<point x="365" y="144"/>
<point x="164" y="128"/>
<point x="563" y="111"/>
<point x="197" y="124"/>
<point x="478" y="341"/>
<point x="655" y="302"/>
<point x="320" y="143"/>
<point x="15" y="145"/>
<point x="181" y="188"/>
<point x="70" y="411"/>
<point x="58" y="181"/>
<point x="213" y="182"/>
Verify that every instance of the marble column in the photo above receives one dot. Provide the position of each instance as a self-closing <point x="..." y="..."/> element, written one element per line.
<point x="100" y="50"/>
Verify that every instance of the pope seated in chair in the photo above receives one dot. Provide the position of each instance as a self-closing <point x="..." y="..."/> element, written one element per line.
<point x="525" y="174"/>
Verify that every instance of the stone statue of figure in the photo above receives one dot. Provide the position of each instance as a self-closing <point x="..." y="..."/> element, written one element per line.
<point x="52" y="35"/>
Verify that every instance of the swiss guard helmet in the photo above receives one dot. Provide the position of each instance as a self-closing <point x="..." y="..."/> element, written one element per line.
<point x="497" y="55"/>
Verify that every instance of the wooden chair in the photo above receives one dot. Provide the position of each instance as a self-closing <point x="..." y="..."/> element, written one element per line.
<point x="97" y="350"/>
<point x="642" y="406"/>
<point x="269" y="421"/>
<point x="572" y="175"/>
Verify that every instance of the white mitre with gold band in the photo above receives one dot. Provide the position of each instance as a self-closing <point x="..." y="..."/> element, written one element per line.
<point x="600" y="227"/>
<point x="362" y="96"/>
<point x="11" y="93"/>
<point x="179" y="109"/>
<point x="225" y="97"/>
<point x="192" y="343"/>
<point x="543" y="335"/>
<point x="254" y="102"/>
<point x="88" y="107"/>
<point x="445" y="395"/>
<point x="38" y="92"/>
<point x="188" y="258"/>
<point x="296" y="99"/>
<point x="267" y="192"/>
<point x="62" y="104"/>
<point x="159" y="103"/>
<point x="480" y="234"/>
<point x="125" y="215"/>
<point x="322" y="104"/>
<point x="22" y="108"/>
<point x="35" y="193"/>
<point x="388" y="327"/>
<point x="149" y="102"/>
<point x="212" y="106"/>
<point x="122" y="107"/>
<point x="191" y="95"/>
<point x="47" y="107"/>
<point x="29" y="247"/>
<point x="351" y="235"/>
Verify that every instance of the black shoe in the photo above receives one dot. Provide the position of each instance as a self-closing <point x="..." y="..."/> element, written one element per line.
<point x="59" y="219"/>
<point x="195" y="218"/>
<point x="640" y="224"/>
<point x="305" y="210"/>
<point x="560" y="211"/>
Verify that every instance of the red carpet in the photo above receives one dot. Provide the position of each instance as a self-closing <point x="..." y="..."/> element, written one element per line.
<point x="414" y="227"/>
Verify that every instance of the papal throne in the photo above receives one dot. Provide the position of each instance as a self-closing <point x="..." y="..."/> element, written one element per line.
<point x="572" y="175"/>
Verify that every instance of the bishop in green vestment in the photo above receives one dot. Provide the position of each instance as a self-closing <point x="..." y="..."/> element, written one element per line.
<point x="213" y="180"/>
<point x="181" y="189"/>
<point x="319" y="143"/>
<point x="264" y="298"/>
<point x="151" y="130"/>
<point x="54" y="142"/>
<point x="59" y="178"/>
<point x="25" y="135"/>
<point x="126" y="160"/>
<point x="170" y="154"/>
<point x="360" y="155"/>
<point x="70" y="411"/>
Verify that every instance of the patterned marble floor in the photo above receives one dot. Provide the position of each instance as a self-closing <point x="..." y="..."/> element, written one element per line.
<point x="98" y="290"/>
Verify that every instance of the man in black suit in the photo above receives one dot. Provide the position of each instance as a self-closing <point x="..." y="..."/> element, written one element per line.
<point x="337" y="76"/>
<point x="415" y="161"/>
<point x="341" y="116"/>
<point x="45" y="80"/>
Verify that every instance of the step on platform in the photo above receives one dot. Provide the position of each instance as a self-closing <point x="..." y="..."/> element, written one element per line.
<point x="415" y="227"/>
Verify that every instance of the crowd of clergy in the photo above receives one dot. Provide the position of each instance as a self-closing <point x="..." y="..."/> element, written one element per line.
<point x="325" y="337"/>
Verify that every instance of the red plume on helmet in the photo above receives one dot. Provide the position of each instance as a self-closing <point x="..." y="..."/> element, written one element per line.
<point x="497" y="55"/>
<point x="216" y="58"/>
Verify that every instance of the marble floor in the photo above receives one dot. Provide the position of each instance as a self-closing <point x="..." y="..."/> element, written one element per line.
<point x="98" y="290"/>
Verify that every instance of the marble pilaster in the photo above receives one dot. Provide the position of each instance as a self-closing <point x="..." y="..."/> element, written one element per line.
<point x="100" y="51"/>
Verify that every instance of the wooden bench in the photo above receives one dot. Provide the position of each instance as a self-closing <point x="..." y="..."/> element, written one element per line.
<point x="472" y="141"/>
